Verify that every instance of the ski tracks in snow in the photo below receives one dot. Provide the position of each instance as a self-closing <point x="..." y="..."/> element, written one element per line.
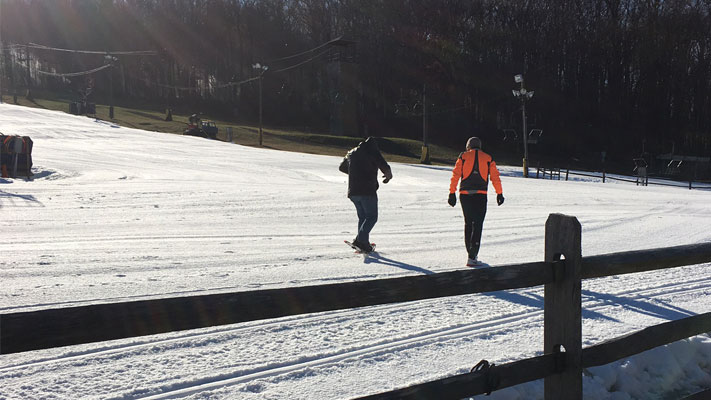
<point x="371" y="338"/>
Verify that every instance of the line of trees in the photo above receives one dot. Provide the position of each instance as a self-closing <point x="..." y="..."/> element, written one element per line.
<point x="616" y="76"/>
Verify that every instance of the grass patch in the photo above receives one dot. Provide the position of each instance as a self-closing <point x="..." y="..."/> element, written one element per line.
<point x="150" y="118"/>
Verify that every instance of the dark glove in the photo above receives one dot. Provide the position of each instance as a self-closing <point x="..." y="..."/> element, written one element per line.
<point x="387" y="178"/>
<point x="499" y="199"/>
<point x="452" y="199"/>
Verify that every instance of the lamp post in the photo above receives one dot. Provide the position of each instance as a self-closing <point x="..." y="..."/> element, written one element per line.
<point x="524" y="95"/>
<point x="425" y="158"/>
<point x="110" y="61"/>
<point x="262" y="69"/>
<point x="29" y="76"/>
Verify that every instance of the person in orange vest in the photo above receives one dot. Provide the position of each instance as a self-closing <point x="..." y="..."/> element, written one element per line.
<point x="473" y="168"/>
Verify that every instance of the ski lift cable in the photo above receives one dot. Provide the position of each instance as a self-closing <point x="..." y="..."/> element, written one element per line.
<point x="147" y="52"/>
<point x="305" y="52"/>
<point x="224" y="85"/>
<point x="11" y="47"/>
<point x="187" y="88"/>
<point x="242" y="82"/>
<point x="70" y="74"/>
<point x="120" y="53"/>
<point x="301" y="63"/>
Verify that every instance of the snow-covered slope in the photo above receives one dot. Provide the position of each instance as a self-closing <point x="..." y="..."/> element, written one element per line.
<point x="117" y="214"/>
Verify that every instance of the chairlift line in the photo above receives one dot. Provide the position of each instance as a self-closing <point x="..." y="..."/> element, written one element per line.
<point x="305" y="52"/>
<point x="188" y="88"/>
<point x="153" y="53"/>
<point x="11" y="47"/>
<point x="301" y="63"/>
<point x="119" y="53"/>
<point x="70" y="74"/>
<point x="242" y="82"/>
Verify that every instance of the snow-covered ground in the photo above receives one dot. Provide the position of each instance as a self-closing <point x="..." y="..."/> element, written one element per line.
<point x="117" y="214"/>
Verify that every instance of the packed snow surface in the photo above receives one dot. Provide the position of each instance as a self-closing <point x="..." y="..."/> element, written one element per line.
<point x="116" y="214"/>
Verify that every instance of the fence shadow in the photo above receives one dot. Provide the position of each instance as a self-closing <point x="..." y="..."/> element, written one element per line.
<point x="664" y="311"/>
<point x="376" y="258"/>
<point x="536" y="301"/>
<point x="11" y="198"/>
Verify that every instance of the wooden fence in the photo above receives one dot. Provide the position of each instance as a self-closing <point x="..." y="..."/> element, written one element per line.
<point x="555" y="173"/>
<point x="561" y="272"/>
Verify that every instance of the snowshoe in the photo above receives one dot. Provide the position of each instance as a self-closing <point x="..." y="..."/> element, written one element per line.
<point x="474" y="262"/>
<point x="355" y="245"/>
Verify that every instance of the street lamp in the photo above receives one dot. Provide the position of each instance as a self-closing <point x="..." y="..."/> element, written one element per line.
<point x="262" y="69"/>
<point x="524" y="96"/>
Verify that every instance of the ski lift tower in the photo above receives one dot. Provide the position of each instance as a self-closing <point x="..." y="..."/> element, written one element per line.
<point x="524" y="95"/>
<point x="342" y="71"/>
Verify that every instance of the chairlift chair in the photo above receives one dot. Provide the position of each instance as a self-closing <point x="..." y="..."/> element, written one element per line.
<point x="509" y="135"/>
<point x="534" y="136"/>
<point x="674" y="167"/>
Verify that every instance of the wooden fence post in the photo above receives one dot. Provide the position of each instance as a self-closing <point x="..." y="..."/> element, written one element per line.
<point x="562" y="314"/>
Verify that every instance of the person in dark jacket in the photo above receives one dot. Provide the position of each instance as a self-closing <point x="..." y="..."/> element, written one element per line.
<point x="362" y="164"/>
<point x="474" y="168"/>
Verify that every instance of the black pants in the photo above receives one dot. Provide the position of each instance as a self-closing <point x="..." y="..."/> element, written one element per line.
<point x="474" y="208"/>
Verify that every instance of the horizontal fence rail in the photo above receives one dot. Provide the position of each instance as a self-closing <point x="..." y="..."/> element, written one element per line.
<point x="645" y="260"/>
<point x="659" y="180"/>
<point x="477" y="382"/>
<point x="531" y="369"/>
<point x="34" y="330"/>
<point x="646" y="339"/>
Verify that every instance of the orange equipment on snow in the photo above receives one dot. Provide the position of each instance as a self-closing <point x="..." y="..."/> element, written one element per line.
<point x="15" y="156"/>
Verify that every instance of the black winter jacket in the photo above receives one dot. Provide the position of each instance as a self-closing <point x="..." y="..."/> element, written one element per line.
<point x="362" y="164"/>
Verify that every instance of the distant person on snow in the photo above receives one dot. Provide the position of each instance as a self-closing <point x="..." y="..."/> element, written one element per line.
<point x="473" y="168"/>
<point x="361" y="164"/>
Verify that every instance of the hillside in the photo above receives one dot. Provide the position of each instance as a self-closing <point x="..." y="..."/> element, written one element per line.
<point x="148" y="116"/>
<point x="117" y="214"/>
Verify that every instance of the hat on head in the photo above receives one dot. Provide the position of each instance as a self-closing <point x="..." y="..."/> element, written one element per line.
<point x="474" y="143"/>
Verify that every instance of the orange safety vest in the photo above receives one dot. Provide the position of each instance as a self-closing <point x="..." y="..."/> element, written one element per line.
<point x="475" y="182"/>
